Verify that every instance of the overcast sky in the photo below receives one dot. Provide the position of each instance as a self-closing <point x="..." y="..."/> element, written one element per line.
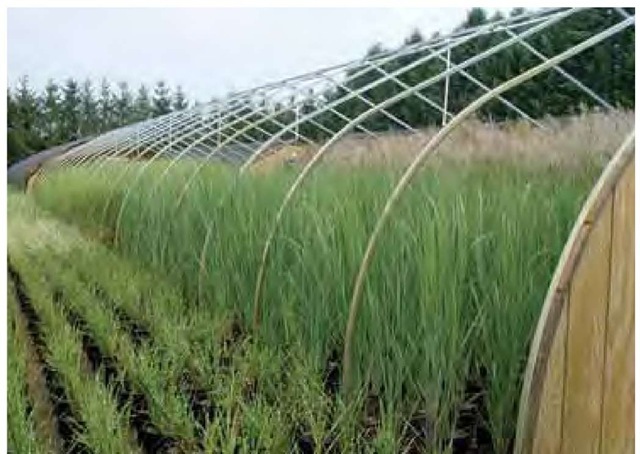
<point x="207" y="51"/>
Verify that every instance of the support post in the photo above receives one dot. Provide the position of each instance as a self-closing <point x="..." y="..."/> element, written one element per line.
<point x="445" y="101"/>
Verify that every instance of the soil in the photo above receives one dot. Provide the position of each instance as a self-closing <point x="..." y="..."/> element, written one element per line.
<point x="371" y="417"/>
<point x="139" y="334"/>
<point x="200" y="405"/>
<point x="331" y="374"/>
<point x="231" y="341"/>
<point x="40" y="400"/>
<point x="148" y="435"/>
<point x="66" y="422"/>
<point x="419" y="433"/>
<point x="473" y="435"/>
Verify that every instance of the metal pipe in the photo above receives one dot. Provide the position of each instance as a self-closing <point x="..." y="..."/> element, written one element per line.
<point x="429" y="150"/>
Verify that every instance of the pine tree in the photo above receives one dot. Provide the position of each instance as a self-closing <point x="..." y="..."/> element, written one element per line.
<point x="71" y="109"/>
<point x="27" y="134"/>
<point x="106" y="108"/>
<point x="51" y="118"/>
<point x="89" y="121"/>
<point x="179" y="100"/>
<point x="475" y="17"/>
<point x="124" y="105"/>
<point x="414" y="38"/>
<point x="12" y="110"/>
<point x="17" y="148"/>
<point x="161" y="99"/>
<point x="61" y="111"/>
<point x="26" y="106"/>
<point x="142" y="107"/>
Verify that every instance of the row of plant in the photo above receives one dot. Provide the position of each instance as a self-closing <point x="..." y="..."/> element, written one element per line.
<point x="450" y="301"/>
<point x="253" y="398"/>
<point x="165" y="406"/>
<point x="23" y="435"/>
<point x="86" y="415"/>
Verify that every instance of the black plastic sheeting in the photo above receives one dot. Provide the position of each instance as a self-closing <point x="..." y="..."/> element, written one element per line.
<point x="19" y="173"/>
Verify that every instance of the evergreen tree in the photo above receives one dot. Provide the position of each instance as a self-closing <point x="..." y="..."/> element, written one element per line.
<point x="89" y="121"/>
<point x="414" y="38"/>
<point x="475" y="17"/>
<point x="12" y="110"/>
<point x="71" y="109"/>
<point x="61" y="111"/>
<point x="51" y="116"/>
<point x="142" y="107"/>
<point x="28" y="110"/>
<point x="179" y="99"/>
<point x="161" y="99"/>
<point x="26" y="106"/>
<point x="17" y="148"/>
<point x="124" y="105"/>
<point x="106" y="109"/>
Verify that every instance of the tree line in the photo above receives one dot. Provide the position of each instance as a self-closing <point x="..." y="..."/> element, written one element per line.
<point x="607" y="69"/>
<point x="65" y="111"/>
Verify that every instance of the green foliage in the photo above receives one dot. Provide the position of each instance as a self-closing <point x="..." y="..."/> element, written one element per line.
<point x="142" y="104"/>
<point x="51" y="116"/>
<point x="186" y="343"/>
<point x="106" y="106"/>
<point x="161" y="99"/>
<point x="22" y="435"/>
<point x="123" y="103"/>
<point x="104" y="427"/>
<point x="608" y="69"/>
<point x="68" y="111"/>
<point x="71" y="108"/>
<point x="452" y="296"/>
<point x="88" y="110"/>
<point x="17" y="145"/>
<point x="179" y="101"/>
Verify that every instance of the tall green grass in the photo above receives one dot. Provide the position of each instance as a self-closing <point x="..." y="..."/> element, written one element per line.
<point x="288" y="395"/>
<point x="452" y="296"/>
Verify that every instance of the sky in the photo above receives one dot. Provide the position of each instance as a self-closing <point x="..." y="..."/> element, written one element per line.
<point x="209" y="52"/>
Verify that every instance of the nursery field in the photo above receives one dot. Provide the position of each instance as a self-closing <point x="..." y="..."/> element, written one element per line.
<point x="357" y="259"/>
<point x="135" y="324"/>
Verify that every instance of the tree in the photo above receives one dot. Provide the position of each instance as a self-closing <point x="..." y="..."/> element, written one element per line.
<point x="89" y="121"/>
<point x="106" y="109"/>
<point x="17" y="149"/>
<point x="12" y="110"/>
<point x="26" y="106"/>
<point x="71" y="109"/>
<point x="38" y="120"/>
<point x="475" y="17"/>
<point x="414" y="38"/>
<point x="161" y="99"/>
<point x="142" y="107"/>
<point x="497" y="16"/>
<point x="374" y="50"/>
<point x="16" y="146"/>
<point x="124" y="105"/>
<point x="179" y="100"/>
<point x="25" y="110"/>
<point x="51" y="116"/>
